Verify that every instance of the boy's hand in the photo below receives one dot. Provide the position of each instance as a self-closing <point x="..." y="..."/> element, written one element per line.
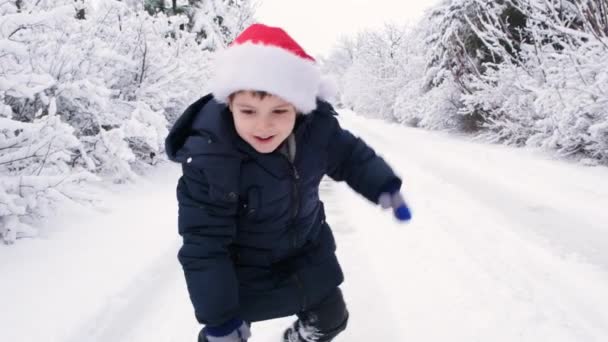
<point x="234" y="330"/>
<point x="395" y="201"/>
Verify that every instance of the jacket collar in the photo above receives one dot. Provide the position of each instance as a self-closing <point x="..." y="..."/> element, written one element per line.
<point x="207" y="128"/>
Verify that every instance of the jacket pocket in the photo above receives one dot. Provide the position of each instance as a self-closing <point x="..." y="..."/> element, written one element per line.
<point x="250" y="206"/>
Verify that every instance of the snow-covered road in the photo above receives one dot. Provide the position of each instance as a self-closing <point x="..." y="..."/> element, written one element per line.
<point x="506" y="245"/>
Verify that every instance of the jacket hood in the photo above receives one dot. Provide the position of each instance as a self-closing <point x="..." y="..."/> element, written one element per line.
<point x="206" y="120"/>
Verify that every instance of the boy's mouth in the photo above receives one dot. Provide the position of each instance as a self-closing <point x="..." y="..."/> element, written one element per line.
<point x="264" y="139"/>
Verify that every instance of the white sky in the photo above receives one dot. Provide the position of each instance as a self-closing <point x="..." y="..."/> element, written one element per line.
<point x="316" y="24"/>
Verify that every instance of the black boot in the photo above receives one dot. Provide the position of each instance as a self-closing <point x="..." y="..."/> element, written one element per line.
<point x="291" y="334"/>
<point x="321" y="323"/>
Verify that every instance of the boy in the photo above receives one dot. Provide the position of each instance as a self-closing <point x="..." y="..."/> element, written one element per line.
<point x="256" y="245"/>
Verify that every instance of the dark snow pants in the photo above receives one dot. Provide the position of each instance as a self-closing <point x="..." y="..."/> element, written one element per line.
<point x="321" y="323"/>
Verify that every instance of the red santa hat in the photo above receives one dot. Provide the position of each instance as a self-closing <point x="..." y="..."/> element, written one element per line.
<point x="264" y="58"/>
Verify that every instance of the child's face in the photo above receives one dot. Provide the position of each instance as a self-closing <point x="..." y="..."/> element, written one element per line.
<point x="263" y="122"/>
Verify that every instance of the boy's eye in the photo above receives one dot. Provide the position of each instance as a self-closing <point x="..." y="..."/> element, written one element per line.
<point x="280" y="111"/>
<point x="247" y="111"/>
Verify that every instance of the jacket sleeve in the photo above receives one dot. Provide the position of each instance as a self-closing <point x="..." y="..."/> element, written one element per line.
<point x="350" y="159"/>
<point x="207" y="224"/>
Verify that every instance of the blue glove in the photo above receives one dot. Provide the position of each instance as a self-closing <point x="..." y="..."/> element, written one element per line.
<point x="235" y="330"/>
<point x="395" y="201"/>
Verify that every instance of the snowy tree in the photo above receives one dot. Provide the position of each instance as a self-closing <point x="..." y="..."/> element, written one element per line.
<point x="522" y="72"/>
<point x="370" y="83"/>
<point x="429" y="97"/>
<point x="84" y="99"/>
<point x="552" y="94"/>
<point x="459" y="53"/>
<point x="383" y="74"/>
<point x="341" y="56"/>
<point x="217" y="22"/>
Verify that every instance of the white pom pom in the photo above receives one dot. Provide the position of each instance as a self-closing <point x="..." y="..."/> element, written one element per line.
<point x="328" y="88"/>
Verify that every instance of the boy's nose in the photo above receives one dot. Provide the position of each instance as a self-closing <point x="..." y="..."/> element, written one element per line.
<point x="264" y="124"/>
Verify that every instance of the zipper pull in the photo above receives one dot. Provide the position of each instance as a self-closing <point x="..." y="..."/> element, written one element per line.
<point x="296" y="175"/>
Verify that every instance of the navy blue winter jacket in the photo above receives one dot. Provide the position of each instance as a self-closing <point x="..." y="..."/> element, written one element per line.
<point x="255" y="241"/>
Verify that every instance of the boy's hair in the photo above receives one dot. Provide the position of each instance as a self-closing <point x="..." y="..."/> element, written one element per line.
<point x="256" y="93"/>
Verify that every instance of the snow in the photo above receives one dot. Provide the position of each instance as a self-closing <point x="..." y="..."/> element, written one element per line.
<point x="505" y="245"/>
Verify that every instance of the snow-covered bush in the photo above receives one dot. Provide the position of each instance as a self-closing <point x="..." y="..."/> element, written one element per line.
<point x="37" y="171"/>
<point x="87" y="92"/>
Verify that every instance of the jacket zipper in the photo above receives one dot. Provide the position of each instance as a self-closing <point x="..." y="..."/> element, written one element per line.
<point x="296" y="196"/>
<point x="295" y="209"/>
<point x="295" y="201"/>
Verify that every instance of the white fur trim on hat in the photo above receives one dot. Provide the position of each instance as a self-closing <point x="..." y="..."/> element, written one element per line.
<point x="267" y="68"/>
